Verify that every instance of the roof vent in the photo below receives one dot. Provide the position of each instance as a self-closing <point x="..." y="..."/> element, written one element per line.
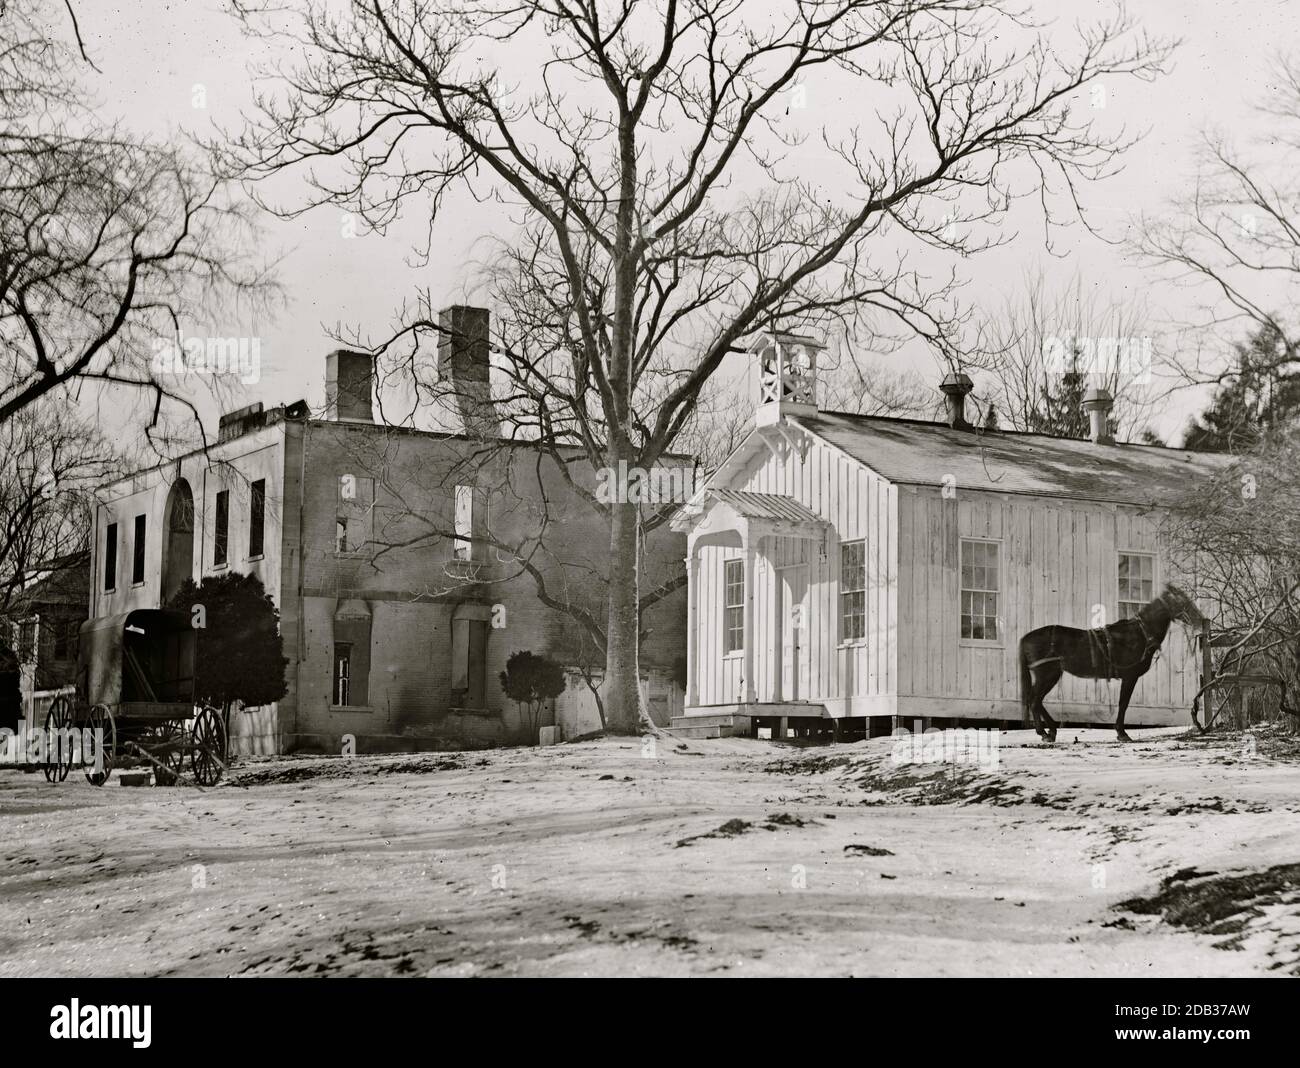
<point x="1098" y="403"/>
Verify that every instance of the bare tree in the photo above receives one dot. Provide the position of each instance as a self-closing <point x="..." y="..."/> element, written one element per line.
<point x="108" y="244"/>
<point x="1234" y="243"/>
<point x="1047" y="345"/>
<point x="619" y="137"/>
<point x="49" y="464"/>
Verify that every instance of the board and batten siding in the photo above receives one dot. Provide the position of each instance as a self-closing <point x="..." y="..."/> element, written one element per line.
<point x="850" y="678"/>
<point x="1059" y="562"/>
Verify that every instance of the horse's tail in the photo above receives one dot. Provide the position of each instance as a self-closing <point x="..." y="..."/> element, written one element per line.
<point x="1026" y="682"/>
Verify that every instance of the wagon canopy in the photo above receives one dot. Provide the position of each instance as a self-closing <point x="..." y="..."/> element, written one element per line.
<point x="143" y="656"/>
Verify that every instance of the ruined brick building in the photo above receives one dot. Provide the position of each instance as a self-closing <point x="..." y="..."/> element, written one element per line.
<point x="405" y="563"/>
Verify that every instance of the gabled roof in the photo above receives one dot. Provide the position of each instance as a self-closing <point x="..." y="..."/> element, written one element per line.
<point x="65" y="580"/>
<point x="912" y="451"/>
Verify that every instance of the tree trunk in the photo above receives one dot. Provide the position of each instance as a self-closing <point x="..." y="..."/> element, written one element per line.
<point x="624" y="714"/>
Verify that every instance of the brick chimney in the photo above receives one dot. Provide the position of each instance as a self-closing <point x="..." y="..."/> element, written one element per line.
<point x="464" y="368"/>
<point x="1098" y="403"/>
<point x="954" y="387"/>
<point x="349" y="386"/>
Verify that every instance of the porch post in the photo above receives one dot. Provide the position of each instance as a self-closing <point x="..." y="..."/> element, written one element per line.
<point x="750" y="552"/>
<point x="692" y="624"/>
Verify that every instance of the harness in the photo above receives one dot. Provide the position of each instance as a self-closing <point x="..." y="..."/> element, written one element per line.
<point x="1100" y="636"/>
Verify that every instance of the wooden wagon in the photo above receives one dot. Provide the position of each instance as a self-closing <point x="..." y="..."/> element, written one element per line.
<point x="135" y="695"/>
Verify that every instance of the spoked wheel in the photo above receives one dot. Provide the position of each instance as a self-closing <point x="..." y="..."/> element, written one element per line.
<point x="58" y="739"/>
<point x="208" y="755"/>
<point x="167" y="750"/>
<point x="103" y="729"/>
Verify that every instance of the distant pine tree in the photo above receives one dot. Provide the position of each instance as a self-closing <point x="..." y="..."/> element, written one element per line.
<point x="1262" y="394"/>
<point x="1059" y="410"/>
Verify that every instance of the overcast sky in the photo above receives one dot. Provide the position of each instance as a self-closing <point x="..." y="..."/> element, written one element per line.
<point x="154" y="56"/>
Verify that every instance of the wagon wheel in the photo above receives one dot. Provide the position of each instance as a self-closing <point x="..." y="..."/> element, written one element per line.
<point x="208" y="755"/>
<point x="102" y="725"/>
<point x="169" y="758"/>
<point x="58" y="722"/>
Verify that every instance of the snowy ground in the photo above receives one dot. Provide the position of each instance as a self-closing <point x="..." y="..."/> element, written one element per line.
<point x="708" y="857"/>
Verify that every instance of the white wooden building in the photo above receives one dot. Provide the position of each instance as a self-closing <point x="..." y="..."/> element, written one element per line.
<point x="869" y="571"/>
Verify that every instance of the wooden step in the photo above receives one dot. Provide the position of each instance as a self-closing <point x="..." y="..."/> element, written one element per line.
<point x="723" y="725"/>
<point x="718" y="719"/>
<point x="698" y="732"/>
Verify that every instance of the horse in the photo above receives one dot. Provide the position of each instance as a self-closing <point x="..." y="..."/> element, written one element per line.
<point x="1122" y="650"/>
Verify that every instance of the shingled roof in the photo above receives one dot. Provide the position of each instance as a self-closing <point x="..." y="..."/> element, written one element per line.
<point x="915" y="452"/>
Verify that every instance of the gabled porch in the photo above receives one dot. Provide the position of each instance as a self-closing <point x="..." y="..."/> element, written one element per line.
<point x="766" y="660"/>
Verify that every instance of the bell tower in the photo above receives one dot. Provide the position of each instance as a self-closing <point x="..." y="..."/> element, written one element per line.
<point x="787" y="376"/>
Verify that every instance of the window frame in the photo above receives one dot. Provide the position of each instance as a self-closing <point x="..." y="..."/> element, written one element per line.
<point x="110" y="557"/>
<point x="62" y="639"/>
<point x="728" y="608"/>
<point x="221" y="529"/>
<point x="257" y="519"/>
<point x="139" y="538"/>
<point x="994" y="591"/>
<point x="1120" y="600"/>
<point x="341" y="683"/>
<point x="462" y="546"/>
<point x="855" y="595"/>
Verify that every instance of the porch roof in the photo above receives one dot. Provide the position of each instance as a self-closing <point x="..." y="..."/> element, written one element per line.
<point x="751" y="514"/>
<point x="774" y="506"/>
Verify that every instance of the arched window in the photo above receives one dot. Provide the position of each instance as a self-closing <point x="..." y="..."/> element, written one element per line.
<point x="178" y="539"/>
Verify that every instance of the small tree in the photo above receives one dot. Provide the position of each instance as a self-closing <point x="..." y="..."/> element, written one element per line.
<point x="1239" y="534"/>
<point x="531" y="680"/>
<point x="11" y="700"/>
<point x="240" y="651"/>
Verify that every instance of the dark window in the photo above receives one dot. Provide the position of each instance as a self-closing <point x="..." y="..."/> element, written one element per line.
<point x="62" y="633"/>
<point x="257" y="521"/>
<point x="110" y="557"/>
<point x="137" y="551"/>
<point x="469" y="641"/>
<point x="351" y="661"/>
<point x="221" y="543"/>
<point x="27" y="641"/>
<point x="342" y="673"/>
<point x="341" y="535"/>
